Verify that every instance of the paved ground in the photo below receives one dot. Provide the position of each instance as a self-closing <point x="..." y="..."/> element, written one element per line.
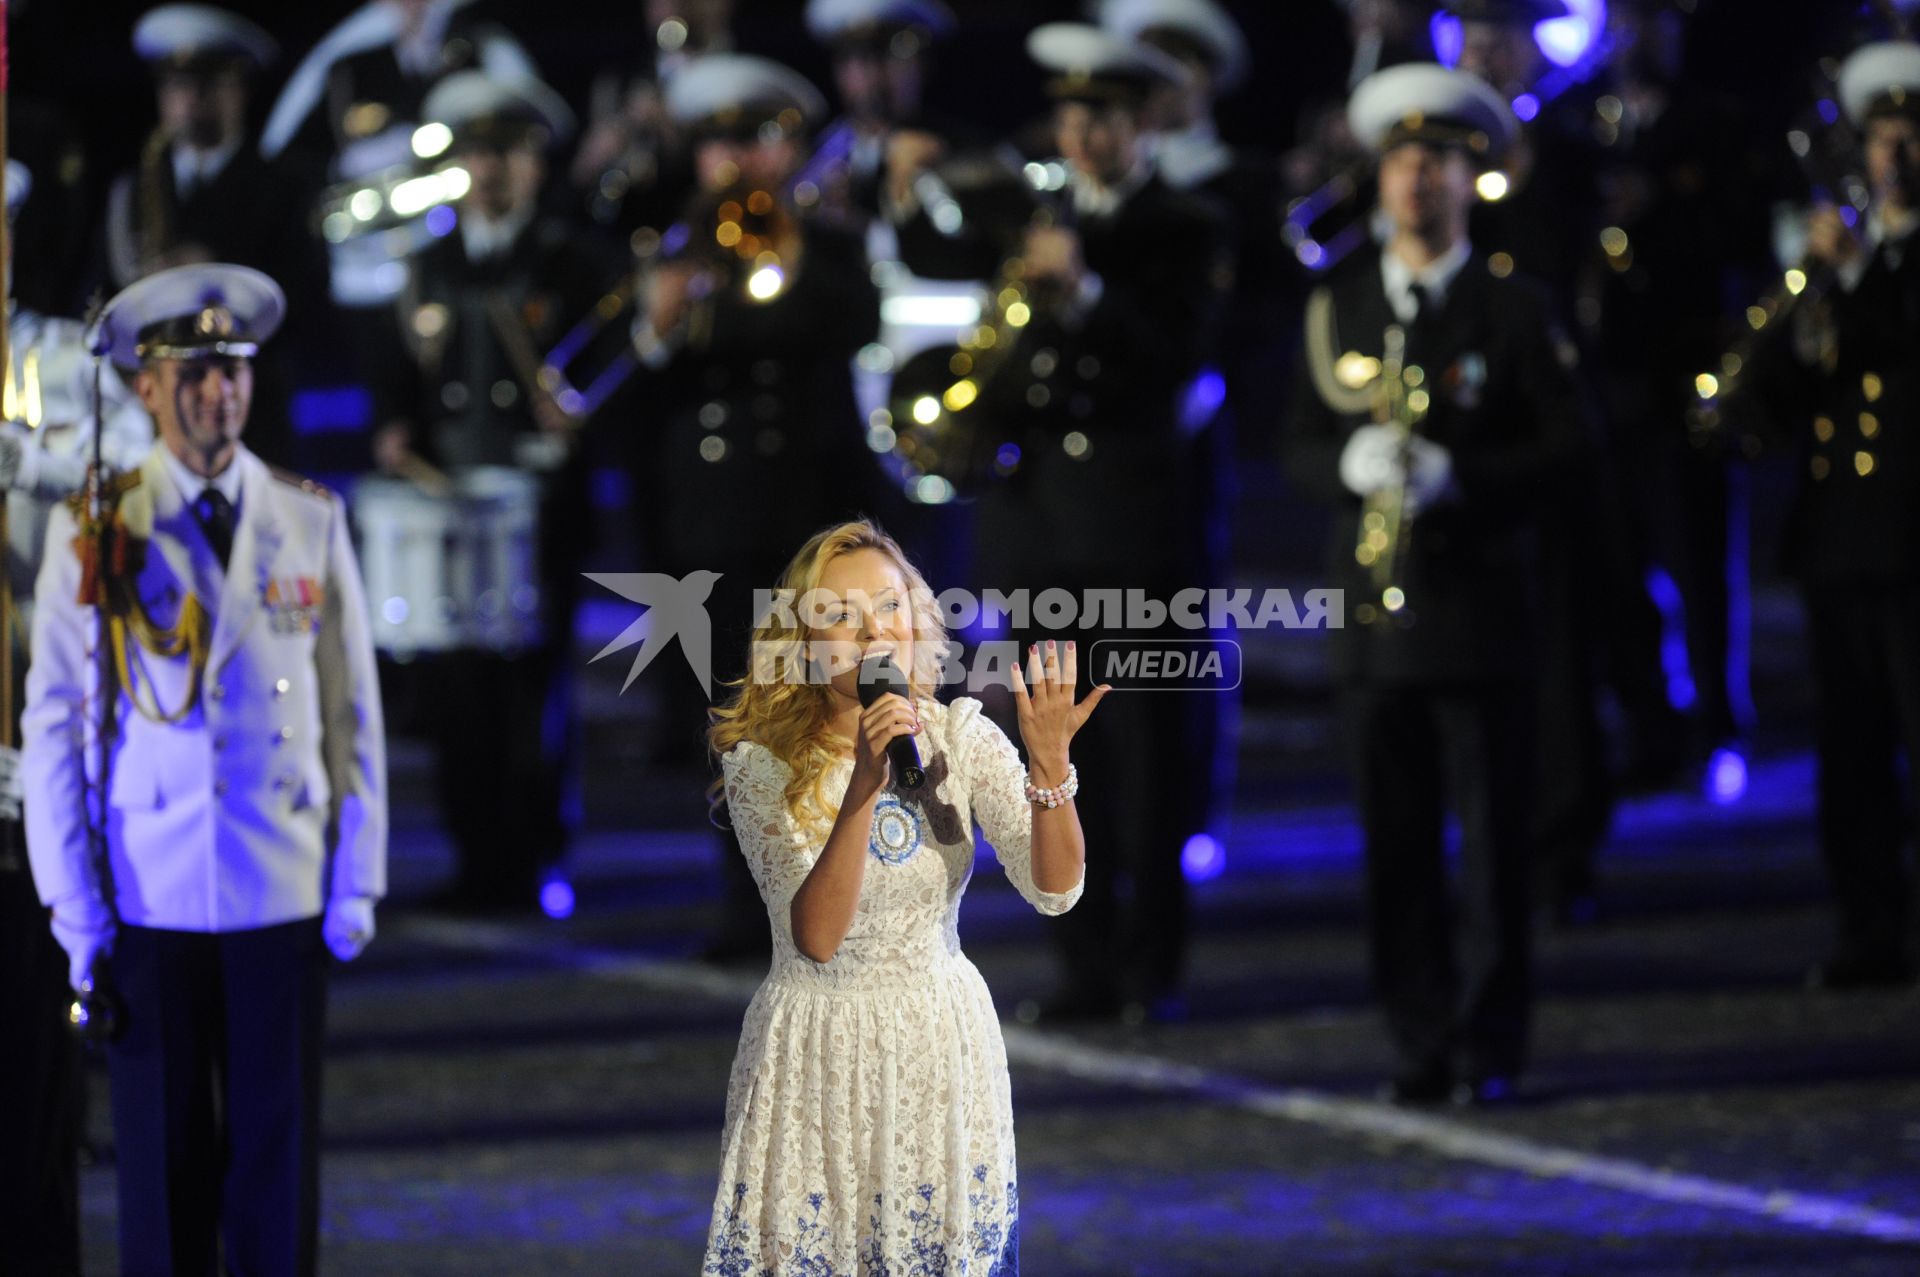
<point x="533" y="1099"/>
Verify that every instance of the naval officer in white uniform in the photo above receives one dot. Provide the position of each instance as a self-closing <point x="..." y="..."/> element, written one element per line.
<point x="244" y="818"/>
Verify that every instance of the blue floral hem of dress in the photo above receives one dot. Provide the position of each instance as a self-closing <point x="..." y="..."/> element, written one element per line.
<point x="989" y="1249"/>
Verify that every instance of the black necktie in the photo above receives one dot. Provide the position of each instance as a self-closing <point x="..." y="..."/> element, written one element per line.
<point x="216" y="520"/>
<point x="1426" y="312"/>
<point x="1422" y="303"/>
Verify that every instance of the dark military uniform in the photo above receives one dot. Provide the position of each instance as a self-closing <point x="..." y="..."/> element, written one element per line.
<point x="748" y="443"/>
<point x="1107" y="495"/>
<point x="1853" y="540"/>
<point x="253" y="212"/>
<point x="752" y="442"/>
<point x="1437" y="705"/>
<point x="504" y="723"/>
<point x="1680" y="219"/>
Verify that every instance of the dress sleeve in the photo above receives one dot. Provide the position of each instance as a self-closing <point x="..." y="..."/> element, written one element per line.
<point x="996" y="784"/>
<point x="779" y="854"/>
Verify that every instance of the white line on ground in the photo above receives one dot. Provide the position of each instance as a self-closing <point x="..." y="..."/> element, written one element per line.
<point x="1447" y="1137"/>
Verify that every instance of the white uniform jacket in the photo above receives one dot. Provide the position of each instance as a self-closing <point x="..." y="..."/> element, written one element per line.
<point x="235" y="816"/>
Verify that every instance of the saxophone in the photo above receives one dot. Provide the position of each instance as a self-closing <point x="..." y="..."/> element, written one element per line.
<point x="1399" y="400"/>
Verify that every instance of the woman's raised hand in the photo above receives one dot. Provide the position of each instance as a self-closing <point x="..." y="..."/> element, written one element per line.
<point x="1048" y="715"/>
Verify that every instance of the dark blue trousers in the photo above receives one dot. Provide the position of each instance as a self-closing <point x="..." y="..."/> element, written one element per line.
<point x="216" y="1099"/>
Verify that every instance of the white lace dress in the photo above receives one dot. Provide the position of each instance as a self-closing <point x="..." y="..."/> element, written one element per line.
<point x="869" y="1125"/>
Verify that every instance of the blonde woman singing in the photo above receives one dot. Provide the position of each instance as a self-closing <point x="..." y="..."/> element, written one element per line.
<point x="869" y="1126"/>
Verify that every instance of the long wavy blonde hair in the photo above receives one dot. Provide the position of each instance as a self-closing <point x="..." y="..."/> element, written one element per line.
<point x="789" y="716"/>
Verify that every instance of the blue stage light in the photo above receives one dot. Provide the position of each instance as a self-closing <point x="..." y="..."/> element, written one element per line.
<point x="1726" y="776"/>
<point x="1203" y="858"/>
<point x="556" y="898"/>
<point x="320" y="410"/>
<point x="1202" y="402"/>
<point x="1674" y="661"/>
<point x="1564" y="41"/>
<point x="1444" y="31"/>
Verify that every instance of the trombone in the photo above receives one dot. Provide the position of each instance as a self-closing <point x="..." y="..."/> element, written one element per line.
<point x="751" y="239"/>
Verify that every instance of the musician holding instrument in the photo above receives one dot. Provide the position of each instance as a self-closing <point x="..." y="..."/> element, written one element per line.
<point x="1682" y="229"/>
<point x="746" y="437"/>
<point x="1098" y="485"/>
<point x="633" y="168"/>
<point x="1435" y="410"/>
<point x="463" y="402"/>
<point x="205" y="755"/>
<point x="1599" y="625"/>
<point x="1842" y="381"/>
<point x="202" y="193"/>
<point x="881" y="59"/>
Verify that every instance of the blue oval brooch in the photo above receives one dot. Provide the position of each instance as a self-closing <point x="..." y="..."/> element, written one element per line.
<point x="897" y="832"/>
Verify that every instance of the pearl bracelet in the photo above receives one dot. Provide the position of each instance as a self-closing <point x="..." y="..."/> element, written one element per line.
<point x="1061" y="793"/>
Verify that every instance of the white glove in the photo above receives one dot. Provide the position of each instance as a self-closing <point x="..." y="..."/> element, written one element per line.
<point x="348" y="926"/>
<point x="1371" y="460"/>
<point x="1429" y="474"/>
<point x="12" y="787"/>
<point x="85" y="931"/>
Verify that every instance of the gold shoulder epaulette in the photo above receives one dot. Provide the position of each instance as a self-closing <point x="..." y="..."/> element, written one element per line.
<point x="116" y="486"/>
<point x="311" y="487"/>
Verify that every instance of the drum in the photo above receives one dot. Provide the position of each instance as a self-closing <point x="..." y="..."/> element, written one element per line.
<point x="455" y="572"/>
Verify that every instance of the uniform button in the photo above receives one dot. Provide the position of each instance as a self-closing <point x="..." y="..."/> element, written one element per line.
<point x="217" y="692"/>
<point x="220" y="788"/>
<point x="504" y="394"/>
<point x="453" y="396"/>
<point x="281" y="687"/>
<point x="713" y="415"/>
<point x="286" y="731"/>
<point x="219" y="743"/>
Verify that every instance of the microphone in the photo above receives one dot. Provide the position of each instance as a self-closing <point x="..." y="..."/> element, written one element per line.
<point x="878" y="677"/>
